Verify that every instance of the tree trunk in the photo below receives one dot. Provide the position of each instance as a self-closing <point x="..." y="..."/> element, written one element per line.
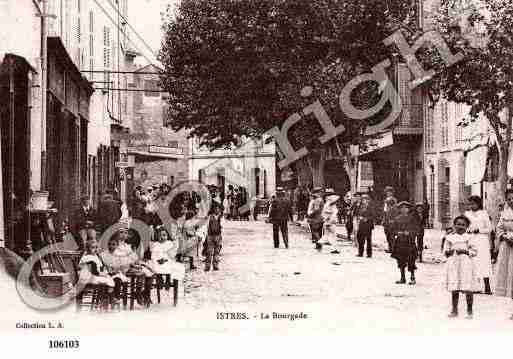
<point x="304" y="173"/>
<point x="350" y="164"/>
<point x="316" y="161"/>
<point x="504" y="145"/>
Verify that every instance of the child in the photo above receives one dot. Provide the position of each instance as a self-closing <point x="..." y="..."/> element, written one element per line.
<point x="91" y="268"/>
<point x="404" y="230"/>
<point x="131" y="262"/>
<point x="461" y="274"/>
<point x="114" y="263"/>
<point x="214" y="239"/>
<point x="162" y="262"/>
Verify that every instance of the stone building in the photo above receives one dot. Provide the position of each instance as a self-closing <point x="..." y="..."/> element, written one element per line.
<point x="158" y="154"/>
<point x="251" y="165"/>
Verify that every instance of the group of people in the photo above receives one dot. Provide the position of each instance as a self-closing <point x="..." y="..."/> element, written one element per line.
<point x="234" y="202"/>
<point x="124" y="256"/>
<point x="469" y="245"/>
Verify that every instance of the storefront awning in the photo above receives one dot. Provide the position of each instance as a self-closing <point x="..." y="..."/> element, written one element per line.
<point x="475" y="164"/>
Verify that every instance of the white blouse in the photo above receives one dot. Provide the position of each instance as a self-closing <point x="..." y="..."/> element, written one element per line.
<point x="479" y="220"/>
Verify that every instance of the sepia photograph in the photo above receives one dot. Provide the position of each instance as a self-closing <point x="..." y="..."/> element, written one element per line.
<point x="259" y="167"/>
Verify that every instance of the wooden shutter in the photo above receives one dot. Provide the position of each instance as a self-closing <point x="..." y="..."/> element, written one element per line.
<point x="444" y="213"/>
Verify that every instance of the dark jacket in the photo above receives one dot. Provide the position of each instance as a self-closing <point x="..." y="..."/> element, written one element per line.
<point x="280" y="210"/>
<point x="81" y="217"/>
<point x="109" y="212"/>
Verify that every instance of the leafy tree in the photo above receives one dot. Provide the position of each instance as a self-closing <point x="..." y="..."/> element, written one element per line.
<point x="236" y="68"/>
<point x="484" y="78"/>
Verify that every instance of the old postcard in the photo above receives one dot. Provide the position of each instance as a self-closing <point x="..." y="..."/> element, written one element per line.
<point x="267" y="167"/>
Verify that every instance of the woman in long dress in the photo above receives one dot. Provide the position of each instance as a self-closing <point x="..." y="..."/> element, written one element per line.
<point x="480" y="228"/>
<point x="504" y="242"/>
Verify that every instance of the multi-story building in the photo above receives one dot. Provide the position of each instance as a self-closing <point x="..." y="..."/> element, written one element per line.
<point x="251" y="165"/>
<point x="60" y="103"/>
<point x="158" y="154"/>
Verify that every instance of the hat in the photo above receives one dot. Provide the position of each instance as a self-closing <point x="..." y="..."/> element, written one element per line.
<point x="389" y="188"/>
<point x="332" y="198"/>
<point x="317" y="190"/>
<point x="404" y="203"/>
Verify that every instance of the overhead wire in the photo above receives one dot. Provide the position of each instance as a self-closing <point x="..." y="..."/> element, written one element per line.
<point x="128" y="38"/>
<point x="154" y="53"/>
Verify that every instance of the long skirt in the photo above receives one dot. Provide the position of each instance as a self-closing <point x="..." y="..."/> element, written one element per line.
<point x="483" y="259"/>
<point x="504" y="276"/>
<point x="461" y="274"/>
<point x="405" y="251"/>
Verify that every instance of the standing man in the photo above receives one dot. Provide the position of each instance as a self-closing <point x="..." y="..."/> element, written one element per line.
<point x="389" y="213"/>
<point x="365" y="226"/>
<point x="347" y="213"/>
<point x="83" y="221"/>
<point x="279" y="214"/>
<point x="314" y="214"/>
<point x="109" y="211"/>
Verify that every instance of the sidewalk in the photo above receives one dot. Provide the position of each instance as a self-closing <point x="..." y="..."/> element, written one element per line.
<point x="432" y="240"/>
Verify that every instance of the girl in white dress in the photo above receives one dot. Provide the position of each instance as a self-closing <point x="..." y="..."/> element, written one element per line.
<point x="480" y="228"/>
<point x="114" y="263"/>
<point x="461" y="274"/>
<point x="163" y="254"/>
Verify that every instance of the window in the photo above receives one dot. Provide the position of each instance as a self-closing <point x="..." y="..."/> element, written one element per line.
<point x="445" y="124"/>
<point x="432" y="193"/>
<point x="151" y="88"/>
<point x="91" y="22"/>
<point x="106" y="36"/>
<point x="173" y="144"/>
<point x="429" y="138"/>
<point x="79" y="32"/>
<point x="91" y="45"/>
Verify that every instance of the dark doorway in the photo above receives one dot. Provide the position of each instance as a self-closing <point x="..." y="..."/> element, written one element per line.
<point x="335" y="176"/>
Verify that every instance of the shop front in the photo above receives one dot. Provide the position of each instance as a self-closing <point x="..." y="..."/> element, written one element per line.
<point x="15" y="89"/>
<point x="66" y="130"/>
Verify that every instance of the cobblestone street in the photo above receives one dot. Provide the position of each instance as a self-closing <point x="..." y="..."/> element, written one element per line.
<point x="337" y="292"/>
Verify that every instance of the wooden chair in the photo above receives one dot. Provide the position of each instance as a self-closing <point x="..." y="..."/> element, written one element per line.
<point x="160" y="282"/>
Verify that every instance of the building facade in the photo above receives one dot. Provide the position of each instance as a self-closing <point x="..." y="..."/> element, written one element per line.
<point x="59" y="104"/>
<point x="251" y="165"/>
<point x="157" y="153"/>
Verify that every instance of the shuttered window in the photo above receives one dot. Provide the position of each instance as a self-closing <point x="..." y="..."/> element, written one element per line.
<point x="432" y="195"/>
<point x="429" y="135"/>
<point x="444" y="116"/>
<point x="464" y="190"/>
<point x="444" y="194"/>
<point x="106" y="55"/>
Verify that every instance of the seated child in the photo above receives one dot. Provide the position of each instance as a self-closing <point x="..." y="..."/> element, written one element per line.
<point x="130" y="262"/>
<point x="91" y="268"/>
<point x="162" y="258"/>
<point x="114" y="263"/>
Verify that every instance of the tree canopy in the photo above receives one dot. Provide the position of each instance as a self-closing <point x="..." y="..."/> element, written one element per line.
<point x="236" y="67"/>
<point x="483" y="31"/>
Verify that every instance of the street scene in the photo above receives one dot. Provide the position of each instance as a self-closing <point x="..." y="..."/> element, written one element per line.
<point x="217" y="166"/>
